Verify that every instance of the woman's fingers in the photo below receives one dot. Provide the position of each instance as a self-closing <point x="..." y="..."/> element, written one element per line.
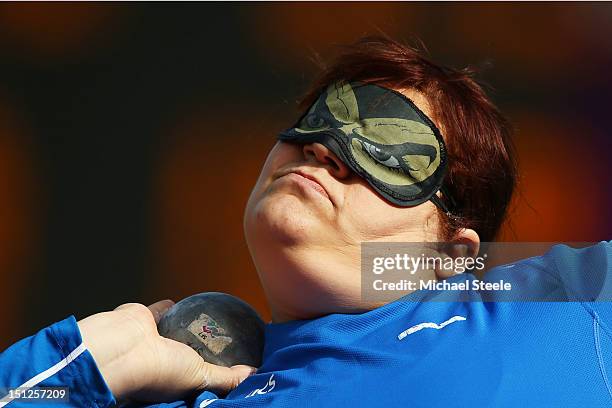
<point x="158" y="309"/>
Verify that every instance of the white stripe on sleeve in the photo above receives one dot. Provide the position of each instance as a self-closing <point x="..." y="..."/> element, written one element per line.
<point x="37" y="379"/>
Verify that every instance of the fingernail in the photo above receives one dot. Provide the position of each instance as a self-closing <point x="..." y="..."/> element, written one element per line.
<point x="244" y="371"/>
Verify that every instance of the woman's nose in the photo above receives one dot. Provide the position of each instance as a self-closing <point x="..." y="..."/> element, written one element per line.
<point x="317" y="152"/>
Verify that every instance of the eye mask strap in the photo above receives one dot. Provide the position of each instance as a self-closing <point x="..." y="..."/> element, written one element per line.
<point x="441" y="204"/>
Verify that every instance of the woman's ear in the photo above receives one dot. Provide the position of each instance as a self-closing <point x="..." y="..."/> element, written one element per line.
<point x="465" y="243"/>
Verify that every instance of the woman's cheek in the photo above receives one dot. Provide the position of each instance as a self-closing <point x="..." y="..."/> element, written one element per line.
<point x="365" y="214"/>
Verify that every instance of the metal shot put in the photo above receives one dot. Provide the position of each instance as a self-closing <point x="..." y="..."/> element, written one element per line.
<point x="223" y="329"/>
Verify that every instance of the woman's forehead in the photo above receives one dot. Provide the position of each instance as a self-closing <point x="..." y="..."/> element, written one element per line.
<point x="419" y="99"/>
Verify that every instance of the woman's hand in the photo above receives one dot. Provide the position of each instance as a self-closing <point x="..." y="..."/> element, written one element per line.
<point x="137" y="363"/>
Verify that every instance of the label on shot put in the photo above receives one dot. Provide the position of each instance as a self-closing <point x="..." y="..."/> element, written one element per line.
<point x="210" y="333"/>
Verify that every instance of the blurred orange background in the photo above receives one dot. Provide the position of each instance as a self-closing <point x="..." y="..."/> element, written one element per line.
<point x="131" y="135"/>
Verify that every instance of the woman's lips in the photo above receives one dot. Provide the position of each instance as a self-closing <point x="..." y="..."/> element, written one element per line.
<point x="309" y="181"/>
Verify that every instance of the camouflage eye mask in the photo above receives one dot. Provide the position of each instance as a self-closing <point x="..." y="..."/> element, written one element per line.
<point x="382" y="136"/>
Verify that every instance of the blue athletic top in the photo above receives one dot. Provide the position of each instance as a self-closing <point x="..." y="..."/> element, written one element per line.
<point x="425" y="350"/>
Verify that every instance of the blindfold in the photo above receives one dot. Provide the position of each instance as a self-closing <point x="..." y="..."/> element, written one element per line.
<point x="382" y="136"/>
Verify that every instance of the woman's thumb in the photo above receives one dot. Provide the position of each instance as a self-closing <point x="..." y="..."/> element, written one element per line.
<point x="184" y="372"/>
<point x="222" y="380"/>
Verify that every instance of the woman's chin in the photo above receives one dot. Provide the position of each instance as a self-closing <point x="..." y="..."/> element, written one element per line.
<point x="287" y="221"/>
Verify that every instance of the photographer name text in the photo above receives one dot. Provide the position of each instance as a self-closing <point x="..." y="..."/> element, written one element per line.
<point x="406" y="285"/>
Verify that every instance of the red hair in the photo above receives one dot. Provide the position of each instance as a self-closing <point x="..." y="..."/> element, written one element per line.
<point x="482" y="171"/>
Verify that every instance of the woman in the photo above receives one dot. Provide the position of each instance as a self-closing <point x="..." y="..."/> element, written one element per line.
<point x="391" y="148"/>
